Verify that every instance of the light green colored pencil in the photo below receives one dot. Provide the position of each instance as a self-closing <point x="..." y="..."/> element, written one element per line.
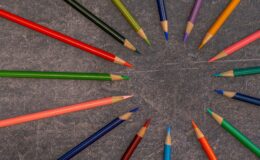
<point x="131" y="20"/>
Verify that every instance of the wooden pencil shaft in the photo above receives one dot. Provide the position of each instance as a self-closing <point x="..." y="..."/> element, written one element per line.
<point x="162" y="10"/>
<point x="241" y="137"/>
<point x="55" y="75"/>
<point x="131" y="148"/>
<point x="90" y="140"/>
<point x="105" y="27"/>
<point x="223" y="16"/>
<point x="62" y="37"/>
<point x="126" y="13"/>
<point x="242" y="43"/>
<point x="246" y="98"/>
<point x="246" y="71"/>
<point x="56" y="111"/>
<point x="207" y="148"/>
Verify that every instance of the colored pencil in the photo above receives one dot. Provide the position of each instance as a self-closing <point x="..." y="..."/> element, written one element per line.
<point x="64" y="38"/>
<point x="236" y="133"/>
<point x="220" y="21"/>
<point x="167" y="145"/>
<point x="192" y="19"/>
<point x="131" y="20"/>
<point x="100" y="133"/>
<point x="135" y="142"/>
<point x="102" y="25"/>
<point x="239" y="72"/>
<point x="62" y="110"/>
<point x="204" y="142"/>
<point x="62" y="75"/>
<point x="237" y="46"/>
<point x="163" y="17"/>
<point x="239" y="96"/>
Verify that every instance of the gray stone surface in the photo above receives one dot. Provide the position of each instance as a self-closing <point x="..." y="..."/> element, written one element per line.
<point x="171" y="81"/>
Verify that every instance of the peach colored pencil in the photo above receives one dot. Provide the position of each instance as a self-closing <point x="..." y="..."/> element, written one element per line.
<point x="61" y="110"/>
<point x="237" y="46"/>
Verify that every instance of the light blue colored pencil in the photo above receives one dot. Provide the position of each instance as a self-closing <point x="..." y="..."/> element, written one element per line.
<point x="167" y="145"/>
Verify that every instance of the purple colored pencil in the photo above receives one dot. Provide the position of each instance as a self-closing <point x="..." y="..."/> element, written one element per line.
<point x="193" y="15"/>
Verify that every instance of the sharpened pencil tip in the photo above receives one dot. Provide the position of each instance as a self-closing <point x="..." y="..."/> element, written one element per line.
<point x="209" y="111"/>
<point x="138" y="52"/>
<point x="219" y="91"/>
<point x="147" y="41"/>
<point x="168" y="130"/>
<point x="201" y="45"/>
<point x="166" y="35"/>
<point x="147" y="123"/>
<point x="217" y="75"/>
<point x="212" y="59"/>
<point x="128" y="96"/>
<point x="134" y="110"/>
<point x="194" y="125"/>
<point x="186" y="35"/>
<point x="125" y="77"/>
<point x="128" y="65"/>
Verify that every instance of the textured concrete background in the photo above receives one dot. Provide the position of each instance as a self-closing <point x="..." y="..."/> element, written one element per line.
<point x="171" y="81"/>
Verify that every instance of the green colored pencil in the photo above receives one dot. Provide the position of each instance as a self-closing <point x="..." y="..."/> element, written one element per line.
<point x="62" y="75"/>
<point x="236" y="133"/>
<point x="131" y="20"/>
<point x="101" y="24"/>
<point x="239" y="72"/>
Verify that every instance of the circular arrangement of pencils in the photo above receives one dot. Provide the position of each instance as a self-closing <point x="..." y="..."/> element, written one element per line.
<point x="138" y="137"/>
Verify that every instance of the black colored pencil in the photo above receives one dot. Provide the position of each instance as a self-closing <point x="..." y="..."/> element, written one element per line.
<point x="105" y="27"/>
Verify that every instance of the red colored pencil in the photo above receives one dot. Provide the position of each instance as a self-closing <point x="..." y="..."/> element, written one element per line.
<point x="137" y="139"/>
<point x="64" y="38"/>
<point x="204" y="142"/>
<point x="237" y="46"/>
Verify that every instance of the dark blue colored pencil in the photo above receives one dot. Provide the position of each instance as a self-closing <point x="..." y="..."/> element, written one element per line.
<point x="163" y="17"/>
<point x="100" y="133"/>
<point x="239" y="96"/>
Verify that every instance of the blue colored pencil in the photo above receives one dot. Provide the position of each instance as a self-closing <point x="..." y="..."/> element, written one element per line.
<point x="163" y="17"/>
<point x="100" y="133"/>
<point x="239" y="96"/>
<point x="167" y="145"/>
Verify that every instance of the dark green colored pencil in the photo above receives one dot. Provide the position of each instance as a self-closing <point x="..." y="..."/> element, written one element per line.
<point x="105" y="27"/>
<point x="62" y="75"/>
<point x="239" y="72"/>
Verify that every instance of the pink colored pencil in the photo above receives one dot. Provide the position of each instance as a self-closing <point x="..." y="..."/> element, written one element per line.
<point x="61" y="110"/>
<point x="236" y="46"/>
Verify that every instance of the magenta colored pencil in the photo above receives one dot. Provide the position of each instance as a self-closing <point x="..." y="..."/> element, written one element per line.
<point x="193" y="15"/>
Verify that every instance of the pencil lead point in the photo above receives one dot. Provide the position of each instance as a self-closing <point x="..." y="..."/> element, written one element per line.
<point x="186" y="35"/>
<point x="168" y="129"/>
<point x="209" y="111"/>
<point x="125" y="77"/>
<point x="147" y="123"/>
<point x="128" y="65"/>
<point x="217" y="75"/>
<point x="201" y="45"/>
<point x="128" y="96"/>
<point x="134" y="110"/>
<point x="212" y="59"/>
<point x="138" y="52"/>
<point x="219" y="91"/>
<point x="194" y="125"/>
<point x="166" y="35"/>
<point x="147" y="41"/>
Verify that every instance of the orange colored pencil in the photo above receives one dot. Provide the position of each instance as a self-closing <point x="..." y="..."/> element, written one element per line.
<point x="220" y="21"/>
<point x="137" y="139"/>
<point x="204" y="142"/>
<point x="61" y="110"/>
<point x="237" y="46"/>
